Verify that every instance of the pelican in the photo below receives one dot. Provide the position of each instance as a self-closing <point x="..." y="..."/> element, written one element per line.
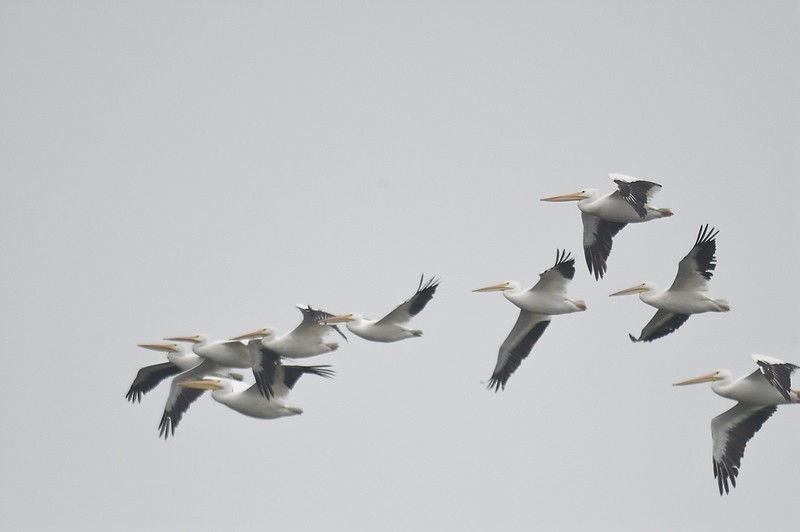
<point x="392" y="327"/>
<point x="179" y="359"/>
<point x="759" y="395"/>
<point x="605" y="216"/>
<point x="228" y="353"/>
<point x="546" y="298"/>
<point x="686" y="296"/>
<point x="305" y="340"/>
<point x="248" y="400"/>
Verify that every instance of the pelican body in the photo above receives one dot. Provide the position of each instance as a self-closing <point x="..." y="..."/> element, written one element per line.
<point x="537" y="305"/>
<point x="758" y="395"/>
<point x="248" y="400"/>
<point x="392" y="327"/>
<point x="687" y="295"/>
<point x="605" y="216"/>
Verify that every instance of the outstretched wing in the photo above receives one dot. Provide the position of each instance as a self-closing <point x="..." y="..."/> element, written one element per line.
<point x="413" y="305"/>
<point x="310" y="326"/>
<point x="554" y="280"/>
<point x="181" y="398"/>
<point x="265" y="366"/>
<point x="517" y="346"/>
<point x="777" y="373"/>
<point x="661" y="324"/>
<point x="148" y="378"/>
<point x="597" y="240"/>
<point x="636" y="192"/>
<point x="698" y="266"/>
<point x="730" y="432"/>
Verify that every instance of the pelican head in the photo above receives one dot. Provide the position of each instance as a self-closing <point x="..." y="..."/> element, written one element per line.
<point x="255" y="335"/>
<point x="575" y="196"/>
<point x="638" y="289"/>
<point x="194" y="338"/>
<point x="502" y="287"/>
<point x="167" y="348"/>
<point x="342" y="318"/>
<point x="719" y="375"/>
<point x="203" y="384"/>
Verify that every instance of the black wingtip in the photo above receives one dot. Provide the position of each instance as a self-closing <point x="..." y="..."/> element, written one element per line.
<point x="633" y="338"/>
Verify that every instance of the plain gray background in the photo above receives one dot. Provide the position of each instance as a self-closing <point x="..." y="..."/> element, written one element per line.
<point x="179" y="167"/>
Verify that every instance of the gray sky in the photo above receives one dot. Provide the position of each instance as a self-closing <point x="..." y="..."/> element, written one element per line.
<point x="173" y="167"/>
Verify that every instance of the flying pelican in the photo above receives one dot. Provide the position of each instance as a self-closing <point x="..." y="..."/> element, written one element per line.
<point x="686" y="296"/>
<point x="228" y="353"/>
<point x="248" y="400"/>
<point x="391" y="327"/>
<point x="538" y="303"/>
<point x="758" y="396"/>
<point x="179" y="359"/>
<point x="605" y="216"/>
<point x="305" y="340"/>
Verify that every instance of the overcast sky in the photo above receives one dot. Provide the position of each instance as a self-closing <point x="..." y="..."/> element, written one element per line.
<point x="171" y="168"/>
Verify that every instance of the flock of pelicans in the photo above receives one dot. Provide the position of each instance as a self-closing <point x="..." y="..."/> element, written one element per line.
<point x="211" y="365"/>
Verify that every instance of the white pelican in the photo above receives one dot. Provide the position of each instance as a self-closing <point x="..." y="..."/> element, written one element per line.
<point x="179" y="359"/>
<point x="391" y="327"/>
<point x="248" y="400"/>
<point x="228" y="353"/>
<point x="538" y="303"/>
<point x="686" y="296"/>
<point x="605" y="216"/>
<point x="305" y="340"/>
<point x="758" y="396"/>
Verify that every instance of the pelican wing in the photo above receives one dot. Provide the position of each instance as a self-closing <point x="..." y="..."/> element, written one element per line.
<point x="698" y="266"/>
<point x="777" y="373"/>
<point x="730" y="432"/>
<point x="554" y="280"/>
<point x="291" y="374"/>
<point x="413" y="305"/>
<point x="149" y="377"/>
<point x="180" y="398"/>
<point x="597" y="240"/>
<point x="310" y="326"/>
<point x="661" y="324"/>
<point x="636" y="193"/>
<point x="517" y="346"/>
<point x="265" y="366"/>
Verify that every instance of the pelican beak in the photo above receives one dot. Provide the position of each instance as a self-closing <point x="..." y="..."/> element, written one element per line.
<point x="344" y="318"/>
<point x="169" y="348"/>
<point x="697" y="380"/>
<point x="260" y="333"/>
<point x="201" y="385"/>
<point x="493" y="288"/>
<point x="632" y="290"/>
<point x="193" y="339"/>
<point x="577" y="196"/>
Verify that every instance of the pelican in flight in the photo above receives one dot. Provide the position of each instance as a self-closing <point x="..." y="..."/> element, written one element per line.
<point x="546" y="298"/>
<point x="305" y="340"/>
<point x="391" y="327"/>
<point x="179" y="359"/>
<point x="228" y="353"/>
<point x="759" y="395"/>
<point x="687" y="295"/>
<point x="248" y="400"/>
<point x="605" y="216"/>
